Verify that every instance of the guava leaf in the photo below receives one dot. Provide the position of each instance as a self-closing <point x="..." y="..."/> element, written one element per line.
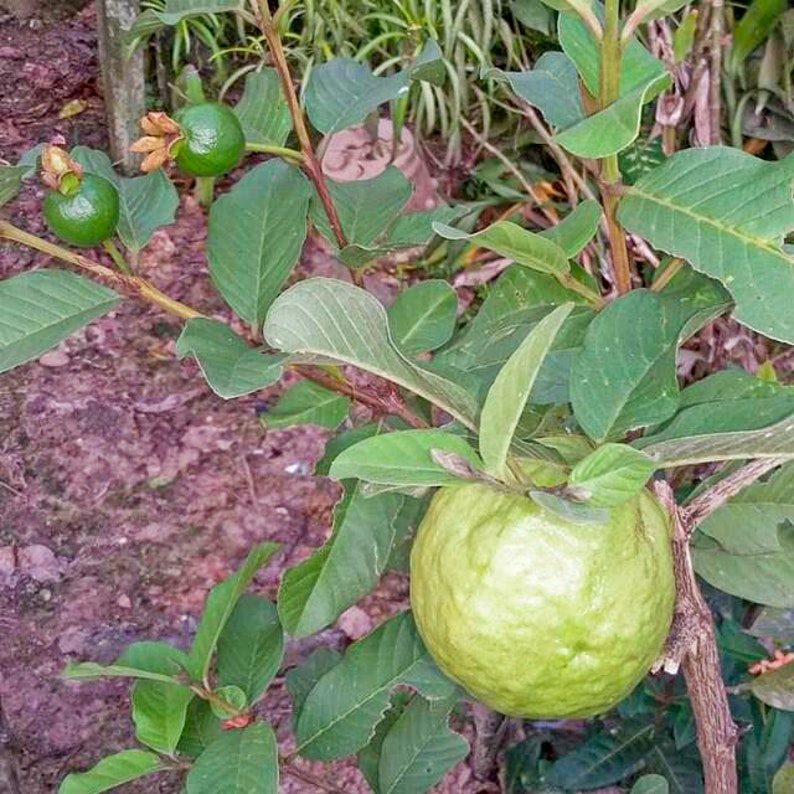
<point x="41" y="308"/>
<point x="112" y="771"/>
<point x="201" y="729"/>
<point x="422" y="317"/>
<point x="229" y="365"/>
<point x="343" y="92"/>
<point x="316" y="591"/>
<point x="403" y="458"/>
<point x="10" y="181"/>
<point x="510" y="390"/>
<point x="159" y="711"/>
<point x="611" y="474"/>
<point x="419" y="748"/>
<point x="239" y="762"/>
<point x="341" y="712"/>
<point x="308" y="403"/>
<point x="342" y="441"/>
<point x="303" y="678"/>
<point x="651" y="784"/>
<point x="251" y="646"/>
<point x="323" y="318"/>
<point x="776" y="688"/>
<point x="368" y="757"/>
<point x="576" y="229"/>
<point x="726" y="212"/>
<point x="219" y="606"/>
<point x="263" y="110"/>
<point x="249" y="262"/>
<point x="177" y="10"/>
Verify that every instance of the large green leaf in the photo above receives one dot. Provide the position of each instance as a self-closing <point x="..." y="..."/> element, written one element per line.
<point x="10" y="181"/>
<point x="303" y="678"/>
<point x="611" y="474"/>
<point x="307" y="403"/>
<point x="576" y="229"/>
<point x="316" y="591"/>
<point x="766" y="578"/>
<point x="624" y="377"/>
<point x="725" y="212"/>
<point x="340" y="713"/>
<point x="255" y="236"/>
<point x="776" y="688"/>
<point x="422" y="317"/>
<point x="177" y="10"/>
<point x="403" y="458"/>
<point x="112" y="771"/>
<point x="366" y="207"/>
<point x="263" y="110"/>
<point x="343" y="92"/>
<point x="219" y="607"/>
<point x="43" y="307"/>
<point x="323" y="318"/>
<point x="419" y="748"/>
<point x="510" y="390"/>
<point x="239" y="762"/>
<point x="229" y="365"/>
<point x="368" y="757"/>
<point x="250" y="646"/>
<point x="201" y="729"/>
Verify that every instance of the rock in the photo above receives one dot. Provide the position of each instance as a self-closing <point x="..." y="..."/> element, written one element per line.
<point x="54" y="358"/>
<point x="40" y="563"/>
<point x="355" y="623"/>
<point x="124" y="601"/>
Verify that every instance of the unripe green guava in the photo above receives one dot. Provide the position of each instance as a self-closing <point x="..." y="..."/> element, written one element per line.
<point x="537" y="616"/>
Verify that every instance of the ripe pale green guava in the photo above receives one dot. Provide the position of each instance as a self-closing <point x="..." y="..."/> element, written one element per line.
<point x="537" y="616"/>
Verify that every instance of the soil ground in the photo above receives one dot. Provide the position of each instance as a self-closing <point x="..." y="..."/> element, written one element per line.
<point x="127" y="489"/>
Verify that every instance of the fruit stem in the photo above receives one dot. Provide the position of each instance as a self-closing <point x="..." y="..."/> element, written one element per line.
<point x="311" y="165"/>
<point x="117" y="257"/>
<point x="205" y="190"/>
<point x="279" y="151"/>
<point x="120" y="281"/>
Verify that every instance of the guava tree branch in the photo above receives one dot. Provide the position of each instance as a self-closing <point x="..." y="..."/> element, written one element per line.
<point x="692" y="643"/>
<point x="311" y="165"/>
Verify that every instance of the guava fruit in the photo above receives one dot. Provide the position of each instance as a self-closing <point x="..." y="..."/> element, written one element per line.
<point x="537" y="616"/>
<point x="86" y="215"/>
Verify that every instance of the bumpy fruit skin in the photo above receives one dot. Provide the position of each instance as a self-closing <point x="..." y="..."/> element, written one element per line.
<point x="214" y="141"/>
<point x="87" y="216"/>
<point x="536" y="616"/>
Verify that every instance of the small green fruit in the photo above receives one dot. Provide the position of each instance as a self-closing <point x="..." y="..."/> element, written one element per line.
<point x="537" y="616"/>
<point x="213" y="140"/>
<point x="87" y="215"/>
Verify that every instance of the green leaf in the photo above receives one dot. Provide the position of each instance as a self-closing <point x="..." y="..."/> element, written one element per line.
<point x="511" y="389"/>
<point x="229" y="365"/>
<point x="231" y="700"/>
<point x="40" y="308"/>
<point x="552" y="86"/>
<point x="611" y="474"/>
<point x="316" y="591"/>
<point x="324" y="318"/>
<point x="115" y="770"/>
<point x="239" y="762"/>
<point x="606" y="758"/>
<point x="219" y="606"/>
<point x="340" y="713"/>
<point x="343" y="92"/>
<point x="419" y="748"/>
<point x="748" y="523"/>
<point x="753" y="28"/>
<point x="510" y="240"/>
<point x="763" y="578"/>
<point x="153" y="661"/>
<point x="262" y="110"/>
<point x="422" y="317"/>
<point x="624" y="377"/>
<point x="255" y="236"/>
<point x="307" y="403"/>
<point x="403" y="458"/>
<point x="726" y="213"/>
<point x="159" y="711"/>
<point x="201" y="729"/>
<point x="783" y="782"/>
<point x="534" y="15"/>
<point x="342" y="441"/>
<point x="651" y="784"/>
<point x="366" y="207"/>
<point x="302" y="679"/>
<point x="251" y="646"/>
<point x="177" y="10"/>
<point x="145" y="202"/>
<point x="777" y="623"/>
<point x="368" y="757"/>
<point x="568" y="510"/>
<point x="576" y="229"/>
<point x="642" y="156"/>
<point x="765" y="748"/>
<point x="10" y="181"/>
<point x="615" y="127"/>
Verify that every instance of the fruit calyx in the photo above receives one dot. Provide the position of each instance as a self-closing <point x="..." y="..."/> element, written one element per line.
<point x="59" y="171"/>
<point x="160" y="140"/>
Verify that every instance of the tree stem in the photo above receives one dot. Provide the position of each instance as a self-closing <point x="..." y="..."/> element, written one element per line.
<point x="120" y="281"/>
<point x="205" y="190"/>
<point x="311" y="165"/>
<point x="609" y="92"/>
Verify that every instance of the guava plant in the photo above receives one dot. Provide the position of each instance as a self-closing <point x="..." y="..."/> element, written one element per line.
<point x="548" y="576"/>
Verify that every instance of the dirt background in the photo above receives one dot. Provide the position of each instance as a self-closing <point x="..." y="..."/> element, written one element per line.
<point x="127" y="489"/>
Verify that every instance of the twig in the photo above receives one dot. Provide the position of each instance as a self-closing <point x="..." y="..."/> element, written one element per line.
<point x="702" y="506"/>
<point x="489" y="731"/>
<point x="311" y="165"/>
<point x="715" y="72"/>
<point x="134" y="284"/>
<point x="307" y="777"/>
<point x="670" y="272"/>
<point x="693" y="644"/>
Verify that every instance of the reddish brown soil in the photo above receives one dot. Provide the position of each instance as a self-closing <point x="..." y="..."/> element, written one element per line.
<point x="127" y="489"/>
